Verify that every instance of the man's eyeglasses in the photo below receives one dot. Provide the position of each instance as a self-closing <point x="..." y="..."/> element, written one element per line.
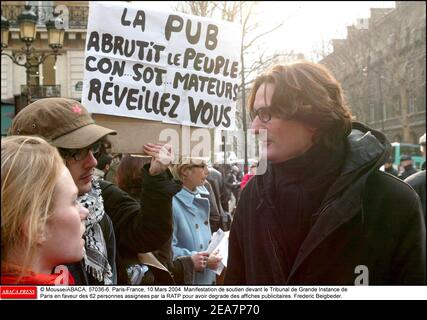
<point x="80" y="154"/>
<point x="264" y="114"/>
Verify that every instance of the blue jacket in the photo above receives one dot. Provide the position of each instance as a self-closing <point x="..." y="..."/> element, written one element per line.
<point x="191" y="229"/>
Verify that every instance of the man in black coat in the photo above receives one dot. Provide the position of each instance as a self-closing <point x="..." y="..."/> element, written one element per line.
<point x="406" y="164"/>
<point x="323" y="213"/>
<point x="388" y="167"/>
<point x="219" y="218"/>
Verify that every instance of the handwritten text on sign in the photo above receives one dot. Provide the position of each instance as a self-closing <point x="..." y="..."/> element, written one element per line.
<point x="161" y="66"/>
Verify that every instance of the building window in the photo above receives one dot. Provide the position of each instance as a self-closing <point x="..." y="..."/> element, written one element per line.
<point x="410" y="71"/>
<point x="422" y="70"/>
<point x="411" y="103"/>
<point x="414" y="137"/>
<point x="396" y="105"/>
<point x="423" y="33"/>
<point x="371" y="112"/>
<point x="379" y="114"/>
<point x="389" y="110"/>
<point x="408" y="36"/>
<point x="421" y="98"/>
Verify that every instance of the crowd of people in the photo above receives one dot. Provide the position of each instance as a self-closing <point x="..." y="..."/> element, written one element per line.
<point x="74" y="213"/>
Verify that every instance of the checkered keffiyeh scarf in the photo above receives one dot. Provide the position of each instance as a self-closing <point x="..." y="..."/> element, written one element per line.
<point x="95" y="259"/>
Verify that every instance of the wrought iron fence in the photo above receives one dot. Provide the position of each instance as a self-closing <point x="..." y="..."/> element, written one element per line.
<point x="38" y="92"/>
<point x="77" y="15"/>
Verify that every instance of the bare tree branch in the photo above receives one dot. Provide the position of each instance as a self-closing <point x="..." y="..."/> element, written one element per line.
<point x="263" y="34"/>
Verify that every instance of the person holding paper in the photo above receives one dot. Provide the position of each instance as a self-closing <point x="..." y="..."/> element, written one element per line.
<point x="67" y="125"/>
<point x="191" y="228"/>
<point x="323" y="213"/>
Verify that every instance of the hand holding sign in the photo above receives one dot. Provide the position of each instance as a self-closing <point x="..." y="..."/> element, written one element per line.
<point x="162" y="157"/>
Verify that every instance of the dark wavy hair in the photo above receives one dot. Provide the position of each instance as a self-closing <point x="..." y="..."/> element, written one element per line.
<point x="309" y="93"/>
<point x="129" y="174"/>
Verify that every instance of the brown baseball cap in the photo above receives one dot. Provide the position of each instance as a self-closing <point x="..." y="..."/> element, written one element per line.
<point x="64" y="123"/>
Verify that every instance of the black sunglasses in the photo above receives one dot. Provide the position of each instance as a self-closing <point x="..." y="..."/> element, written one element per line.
<point x="80" y="154"/>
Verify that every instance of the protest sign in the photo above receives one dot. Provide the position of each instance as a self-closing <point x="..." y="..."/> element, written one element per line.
<point x="134" y="133"/>
<point x="161" y="66"/>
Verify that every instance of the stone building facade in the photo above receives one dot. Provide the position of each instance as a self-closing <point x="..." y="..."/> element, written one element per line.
<point x="62" y="77"/>
<point x="382" y="68"/>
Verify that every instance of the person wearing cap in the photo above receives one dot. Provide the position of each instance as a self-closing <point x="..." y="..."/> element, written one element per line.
<point x="418" y="180"/>
<point x="322" y="213"/>
<point x="407" y="168"/>
<point x="67" y="125"/>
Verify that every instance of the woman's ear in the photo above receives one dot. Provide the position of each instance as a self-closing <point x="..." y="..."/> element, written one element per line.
<point x="40" y="236"/>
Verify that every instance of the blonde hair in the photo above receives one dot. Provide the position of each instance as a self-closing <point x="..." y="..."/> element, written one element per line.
<point x="30" y="168"/>
<point x="309" y="93"/>
<point x="186" y="162"/>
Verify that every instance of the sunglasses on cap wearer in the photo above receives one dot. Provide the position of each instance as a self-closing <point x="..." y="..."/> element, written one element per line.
<point x="80" y="154"/>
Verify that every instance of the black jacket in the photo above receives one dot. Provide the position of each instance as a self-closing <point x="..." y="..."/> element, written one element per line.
<point x="418" y="182"/>
<point x="215" y="209"/>
<point x="408" y="171"/>
<point x="140" y="227"/>
<point x="369" y="220"/>
<point x="217" y="183"/>
<point x="392" y="171"/>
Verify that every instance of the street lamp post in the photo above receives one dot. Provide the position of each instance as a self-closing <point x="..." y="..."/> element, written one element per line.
<point x="27" y="26"/>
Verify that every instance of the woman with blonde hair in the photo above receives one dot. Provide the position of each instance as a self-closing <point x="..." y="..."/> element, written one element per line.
<point x="191" y="229"/>
<point x="42" y="223"/>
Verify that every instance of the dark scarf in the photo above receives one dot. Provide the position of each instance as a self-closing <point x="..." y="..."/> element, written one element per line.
<point x="300" y="186"/>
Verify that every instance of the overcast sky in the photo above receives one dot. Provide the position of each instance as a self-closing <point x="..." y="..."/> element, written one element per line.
<point x="308" y="25"/>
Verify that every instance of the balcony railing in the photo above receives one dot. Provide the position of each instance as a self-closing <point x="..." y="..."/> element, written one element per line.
<point x="38" y="92"/>
<point x="77" y="15"/>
